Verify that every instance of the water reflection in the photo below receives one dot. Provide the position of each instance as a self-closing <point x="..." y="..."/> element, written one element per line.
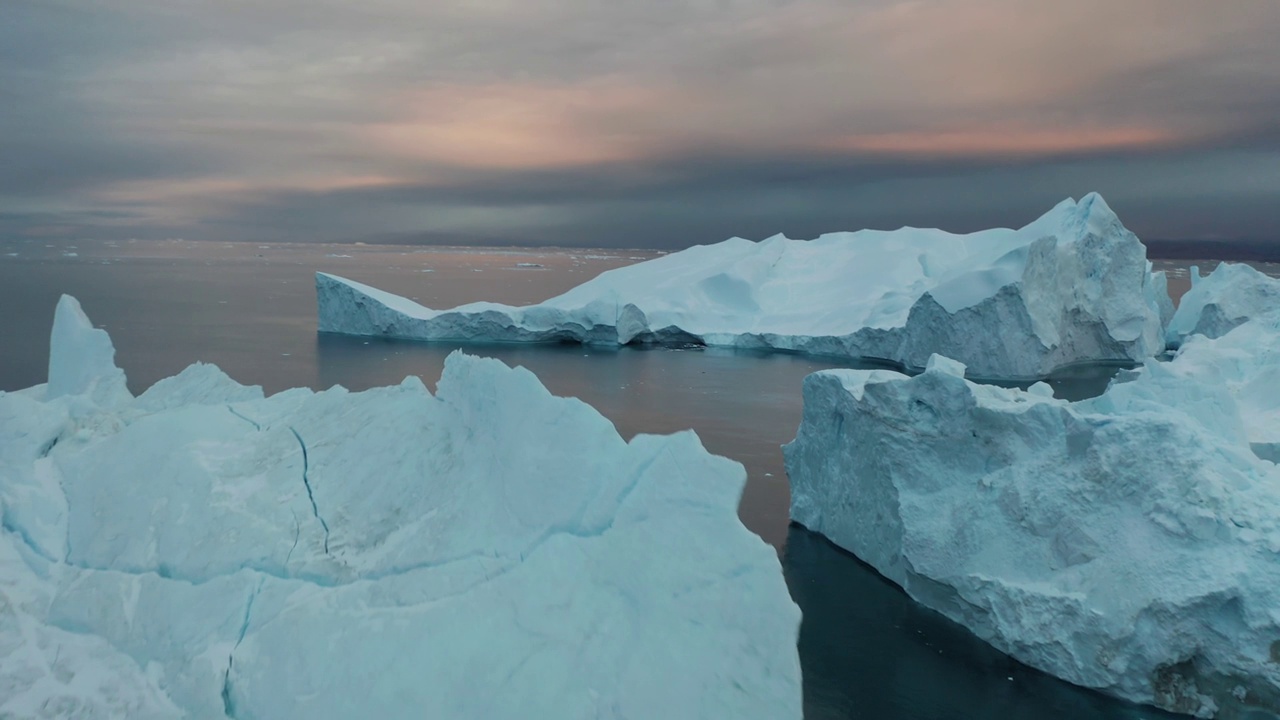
<point x="868" y="651"/>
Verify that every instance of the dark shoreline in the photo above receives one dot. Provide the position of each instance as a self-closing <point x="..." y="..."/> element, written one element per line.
<point x="1238" y="250"/>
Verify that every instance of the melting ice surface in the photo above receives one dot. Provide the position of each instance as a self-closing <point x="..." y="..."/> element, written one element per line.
<point x="1127" y="543"/>
<point x="1073" y="286"/>
<point x="489" y="551"/>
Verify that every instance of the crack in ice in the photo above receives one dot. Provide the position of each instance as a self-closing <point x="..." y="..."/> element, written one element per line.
<point x="255" y="425"/>
<point x="297" y="533"/>
<point x="306" y="467"/>
<point x="24" y="537"/>
<point x="228" y="707"/>
<point x="48" y="447"/>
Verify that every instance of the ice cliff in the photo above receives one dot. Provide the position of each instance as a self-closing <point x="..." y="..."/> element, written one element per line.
<point x="1129" y="543"/>
<point x="488" y="551"/>
<point x="1072" y="286"/>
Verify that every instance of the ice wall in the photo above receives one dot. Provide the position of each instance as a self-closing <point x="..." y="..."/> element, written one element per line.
<point x="1127" y="543"/>
<point x="1072" y="286"/>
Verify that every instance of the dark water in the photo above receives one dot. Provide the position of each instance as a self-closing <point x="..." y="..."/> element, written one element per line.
<point x="866" y="650"/>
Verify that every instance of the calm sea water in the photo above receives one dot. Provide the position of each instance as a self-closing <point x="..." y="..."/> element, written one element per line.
<point x="866" y="650"/>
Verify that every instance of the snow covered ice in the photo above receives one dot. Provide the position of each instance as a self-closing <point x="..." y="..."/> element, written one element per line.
<point x="1072" y="286"/>
<point x="488" y="551"/>
<point x="1229" y="296"/>
<point x="1245" y="362"/>
<point x="1237" y="382"/>
<point x="1129" y="543"/>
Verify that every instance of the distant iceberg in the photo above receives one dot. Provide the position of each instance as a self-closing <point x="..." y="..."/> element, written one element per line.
<point x="1128" y="543"/>
<point x="1073" y="286"/>
<point x="1226" y="298"/>
<point x="490" y="551"/>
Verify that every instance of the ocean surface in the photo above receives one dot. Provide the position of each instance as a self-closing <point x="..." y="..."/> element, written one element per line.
<point x="866" y="650"/>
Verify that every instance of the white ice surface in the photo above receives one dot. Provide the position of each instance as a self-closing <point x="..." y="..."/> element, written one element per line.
<point x="81" y="358"/>
<point x="490" y="551"/>
<point x="1072" y="286"/>
<point x="1230" y="384"/>
<point x="1230" y="295"/>
<point x="1129" y="543"/>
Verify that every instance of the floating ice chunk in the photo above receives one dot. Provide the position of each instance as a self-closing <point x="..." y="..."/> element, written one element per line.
<point x="938" y="363"/>
<point x="1074" y="285"/>
<point x="1041" y="389"/>
<point x="1126" y="543"/>
<point x="487" y="551"/>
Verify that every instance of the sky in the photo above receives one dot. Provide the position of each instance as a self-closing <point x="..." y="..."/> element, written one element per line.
<point x="631" y="124"/>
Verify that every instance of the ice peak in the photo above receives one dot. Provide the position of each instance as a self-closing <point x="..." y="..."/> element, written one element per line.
<point x="1071" y="220"/>
<point x="81" y="357"/>
<point x="1092" y="216"/>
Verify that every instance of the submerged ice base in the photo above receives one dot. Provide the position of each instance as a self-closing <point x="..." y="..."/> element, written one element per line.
<point x="1073" y="286"/>
<point x="1128" y="543"/>
<point x="487" y="551"/>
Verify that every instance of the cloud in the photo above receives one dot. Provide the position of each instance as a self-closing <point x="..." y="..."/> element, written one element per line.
<point x="528" y="125"/>
<point x="537" y="118"/>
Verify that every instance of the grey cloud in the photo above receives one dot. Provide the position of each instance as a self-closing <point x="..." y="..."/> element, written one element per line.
<point x="696" y="119"/>
<point x="708" y="200"/>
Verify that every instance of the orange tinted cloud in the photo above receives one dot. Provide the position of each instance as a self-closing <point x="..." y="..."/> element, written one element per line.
<point x="515" y="126"/>
<point x="195" y="188"/>
<point x="999" y="142"/>
<point x="174" y="200"/>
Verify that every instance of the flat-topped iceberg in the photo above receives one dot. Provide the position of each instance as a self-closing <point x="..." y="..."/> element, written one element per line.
<point x="487" y="551"/>
<point x="1227" y="297"/>
<point x="1073" y="286"/>
<point x="1128" y="543"/>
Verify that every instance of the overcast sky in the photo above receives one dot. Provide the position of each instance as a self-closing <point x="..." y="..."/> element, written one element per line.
<point x="652" y="123"/>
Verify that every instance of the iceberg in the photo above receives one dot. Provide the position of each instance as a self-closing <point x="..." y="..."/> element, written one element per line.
<point x="1231" y="384"/>
<point x="1226" y="298"/>
<point x="1128" y="543"/>
<point x="488" y="550"/>
<point x="1073" y="286"/>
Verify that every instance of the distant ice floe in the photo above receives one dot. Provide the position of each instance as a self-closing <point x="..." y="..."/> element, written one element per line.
<point x="490" y="551"/>
<point x="1128" y="543"/>
<point x="1072" y="286"/>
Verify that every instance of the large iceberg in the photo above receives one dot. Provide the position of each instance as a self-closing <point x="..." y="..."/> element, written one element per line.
<point x="488" y="551"/>
<point x="1128" y="543"/>
<point x="1072" y="286"/>
<point x="1228" y="297"/>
